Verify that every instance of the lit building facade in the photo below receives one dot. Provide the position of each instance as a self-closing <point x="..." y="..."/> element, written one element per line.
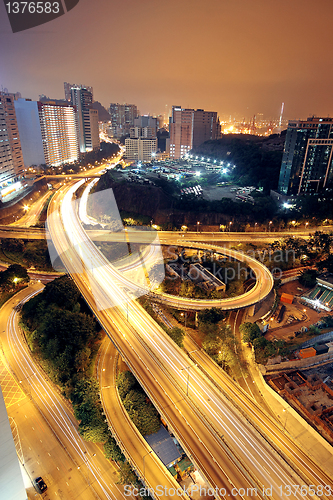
<point x="122" y="118"/>
<point x="59" y="133"/>
<point x="307" y="162"/>
<point x="86" y="118"/>
<point x="189" y="128"/>
<point x="13" y="132"/>
<point x="7" y="170"/>
<point x="48" y="132"/>
<point x="140" y="149"/>
<point x="68" y="89"/>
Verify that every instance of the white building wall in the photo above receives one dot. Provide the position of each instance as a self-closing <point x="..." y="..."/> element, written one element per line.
<point x="11" y="480"/>
<point x="30" y="132"/>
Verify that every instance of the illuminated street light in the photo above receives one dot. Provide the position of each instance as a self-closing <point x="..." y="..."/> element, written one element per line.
<point x="86" y="463"/>
<point x="198" y="226"/>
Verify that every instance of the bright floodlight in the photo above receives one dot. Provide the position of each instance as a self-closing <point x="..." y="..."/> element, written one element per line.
<point x="286" y="205"/>
<point x="224" y="171"/>
<point x="197" y="174"/>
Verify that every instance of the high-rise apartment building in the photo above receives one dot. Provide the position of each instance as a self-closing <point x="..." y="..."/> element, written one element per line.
<point x="122" y="118"/>
<point x="145" y="127"/>
<point x="68" y="87"/>
<point x="47" y="131"/>
<point x="7" y="172"/>
<point x="13" y="133"/>
<point x="307" y="162"/>
<point x="189" y="128"/>
<point x="11" y="160"/>
<point x="86" y="118"/>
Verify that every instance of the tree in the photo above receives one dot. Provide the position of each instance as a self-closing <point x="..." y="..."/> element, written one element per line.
<point x="249" y="331"/>
<point x="143" y="415"/>
<point x="12" y="276"/>
<point x="212" y="315"/>
<point x="125" y="383"/>
<point x="326" y="264"/>
<point x="112" y="450"/>
<point x="308" y="278"/>
<point x="61" y="291"/>
<point x="259" y="343"/>
<point x="321" y="242"/>
<point x="126" y="475"/>
<point x="177" y="335"/>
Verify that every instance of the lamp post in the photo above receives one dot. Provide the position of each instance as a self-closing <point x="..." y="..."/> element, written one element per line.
<point x="182" y="314"/>
<point x="230" y="224"/>
<point x="269" y="226"/>
<point x="86" y="463"/>
<point x="143" y="462"/>
<point x="284" y="426"/>
<point x="188" y="376"/>
<point x="29" y="384"/>
<point x="198" y="226"/>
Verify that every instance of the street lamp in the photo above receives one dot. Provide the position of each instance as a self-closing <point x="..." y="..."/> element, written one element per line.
<point x="270" y="222"/>
<point x="86" y="463"/>
<point x="230" y="224"/>
<point x="29" y="383"/>
<point x="182" y="314"/>
<point x="188" y="375"/>
<point x="198" y="226"/>
<point x="255" y="226"/>
<point x="143" y="461"/>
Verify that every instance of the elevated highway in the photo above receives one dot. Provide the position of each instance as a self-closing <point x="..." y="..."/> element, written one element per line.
<point x="224" y="447"/>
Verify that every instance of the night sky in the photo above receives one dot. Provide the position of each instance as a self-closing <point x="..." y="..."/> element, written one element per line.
<point x="237" y="57"/>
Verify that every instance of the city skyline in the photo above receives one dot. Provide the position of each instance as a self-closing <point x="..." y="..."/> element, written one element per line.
<point x="236" y="58"/>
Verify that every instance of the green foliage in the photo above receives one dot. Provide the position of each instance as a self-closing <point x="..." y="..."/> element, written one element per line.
<point x="126" y="475"/>
<point x="67" y="340"/>
<point x="139" y="408"/>
<point x="28" y="253"/>
<point x="61" y="292"/>
<point x="249" y="331"/>
<point x="62" y="335"/>
<point x="308" y="278"/>
<point x="212" y="315"/>
<point x="255" y="163"/>
<point x="13" y="276"/>
<point x="326" y="264"/>
<point x="125" y="383"/>
<point x="112" y="450"/>
<point x="92" y="426"/>
<point x="177" y="335"/>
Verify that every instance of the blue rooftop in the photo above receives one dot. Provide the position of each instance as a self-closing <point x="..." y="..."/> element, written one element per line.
<point x="163" y="445"/>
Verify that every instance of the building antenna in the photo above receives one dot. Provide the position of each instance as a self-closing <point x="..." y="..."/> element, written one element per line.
<point x="280" y="121"/>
